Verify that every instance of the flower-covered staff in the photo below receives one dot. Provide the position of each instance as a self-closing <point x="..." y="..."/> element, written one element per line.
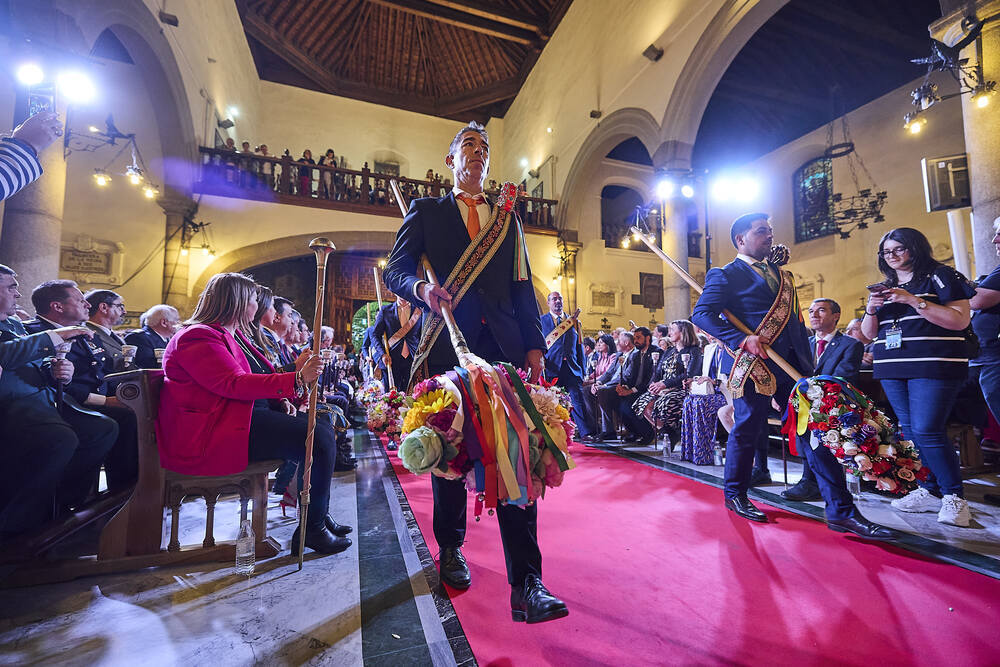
<point x="480" y="249"/>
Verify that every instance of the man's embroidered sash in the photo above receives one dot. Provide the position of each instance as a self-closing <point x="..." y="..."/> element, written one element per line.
<point x="748" y="365"/>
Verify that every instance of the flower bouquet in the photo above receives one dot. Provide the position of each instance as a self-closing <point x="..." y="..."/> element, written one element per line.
<point x="369" y="394"/>
<point x="385" y="414"/>
<point x="864" y="440"/>
<point x="508" y="438"/>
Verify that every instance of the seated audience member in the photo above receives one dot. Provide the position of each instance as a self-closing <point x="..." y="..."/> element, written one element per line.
<point x="60" y="303"/>
<point x="620" y="382"/>
<point x="278" y="323"/>
<point x="215" y="412"/>
<point x="853" y="329"/>
<point x="834" y="354"/>
<point x="661" y="405"/>
<point x="708" y="395"/>
<point x="54" y="451"/>
<point x="107" y="310"/>
<point x="159" y="325"/>
<point x="639" y="429"/>
<point x="589" y="355"/>
<point x="605" y="357"/>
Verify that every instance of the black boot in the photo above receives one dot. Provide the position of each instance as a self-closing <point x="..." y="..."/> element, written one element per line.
<point x="533" y="603"/>
<point x="336" y="528"/>
<point x="320" y="540"/>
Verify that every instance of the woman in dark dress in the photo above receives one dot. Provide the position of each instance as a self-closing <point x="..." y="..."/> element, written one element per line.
<point x="663" y="402"/>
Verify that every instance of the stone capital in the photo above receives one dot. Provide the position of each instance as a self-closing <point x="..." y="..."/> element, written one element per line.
<point x="177" y="205"/>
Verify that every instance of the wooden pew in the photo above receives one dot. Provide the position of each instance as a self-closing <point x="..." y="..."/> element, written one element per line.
<point x="132" y="539"/>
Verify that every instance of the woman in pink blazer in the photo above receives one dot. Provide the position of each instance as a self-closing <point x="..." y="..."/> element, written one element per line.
<point x="204" y="425"/>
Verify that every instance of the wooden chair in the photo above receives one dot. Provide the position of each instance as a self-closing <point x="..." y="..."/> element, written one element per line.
<point x="132" y="538"/>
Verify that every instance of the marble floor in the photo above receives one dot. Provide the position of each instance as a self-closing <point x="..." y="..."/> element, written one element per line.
<point x="378" y="603"/>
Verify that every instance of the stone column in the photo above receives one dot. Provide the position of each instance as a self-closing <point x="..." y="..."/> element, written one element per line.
<point x="982" y="141"/>
<point x="674" y="157"/>
<point x="32" y="224"/>
<point x="175" y="264"/>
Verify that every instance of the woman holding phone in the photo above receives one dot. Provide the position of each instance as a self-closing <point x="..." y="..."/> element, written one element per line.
<point x="917" y="317"/>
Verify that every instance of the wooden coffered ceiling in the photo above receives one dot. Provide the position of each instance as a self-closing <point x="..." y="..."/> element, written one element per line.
<point x="458" y="59"/>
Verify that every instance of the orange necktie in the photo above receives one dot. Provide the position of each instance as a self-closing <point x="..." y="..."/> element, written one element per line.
<point x="472" y="224"/>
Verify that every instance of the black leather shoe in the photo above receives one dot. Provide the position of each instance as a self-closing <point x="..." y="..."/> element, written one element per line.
<point x="746" y="509"/>
<point x="862" y="527"/>
<point x="533" y="603"/>
<point x="343" y="466"/>
<point x="336" y="528"/>
<point x="608" y="435"/>
<point x="320" y="540"/>
<point x="454" y="570"/>
<point x="802" y="491"/>
<point x="760" y="478"/>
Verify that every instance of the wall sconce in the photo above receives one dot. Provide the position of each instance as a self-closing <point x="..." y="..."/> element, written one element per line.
<point x="226" y="123"/>
<point x="653" y="53"/>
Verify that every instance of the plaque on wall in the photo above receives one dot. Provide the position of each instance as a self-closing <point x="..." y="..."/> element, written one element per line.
<point x="605" y="299"/>
<point x="88" y="260"/>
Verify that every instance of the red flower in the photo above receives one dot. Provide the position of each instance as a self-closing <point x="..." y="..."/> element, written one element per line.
<point x="840" y="453"/>
<point x="922" y="473"/>
<point x="823" y="426"/>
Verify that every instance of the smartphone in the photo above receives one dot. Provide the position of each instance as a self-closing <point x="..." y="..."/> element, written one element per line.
<point x="41" y="100"/>
<point x="877" y="287"/>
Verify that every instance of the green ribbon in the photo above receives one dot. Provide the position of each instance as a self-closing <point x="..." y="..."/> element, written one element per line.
<point x="536" y="417"/>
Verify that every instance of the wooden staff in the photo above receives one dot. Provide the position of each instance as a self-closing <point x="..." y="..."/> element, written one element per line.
<point x="771" y="354"/>
<point x="322" y="247"/>
<point x="385" y="340"/>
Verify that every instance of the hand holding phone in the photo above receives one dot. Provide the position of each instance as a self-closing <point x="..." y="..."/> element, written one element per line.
<point x="877" y="287"/>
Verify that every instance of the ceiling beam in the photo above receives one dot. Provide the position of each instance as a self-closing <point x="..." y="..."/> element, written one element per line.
<point x="461" y="19"/>
<point x="878" y="32"/>
<point x="474" y="99"/>
<point x="493" y="12"/>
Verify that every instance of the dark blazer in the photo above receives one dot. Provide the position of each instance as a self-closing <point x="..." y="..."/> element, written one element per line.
<point x="741" y="290"/>
<point x="114" y="361"/>
<point x="146" y="343"/>
<point x="434" y="227"/>
<point x="841" y="357"/>
<point x="567" y="350"/>
<point x="636" y="365"/>
<point x="387" y="322"/>
<point x="89" y="360"/>
<point x="692" y="369"/>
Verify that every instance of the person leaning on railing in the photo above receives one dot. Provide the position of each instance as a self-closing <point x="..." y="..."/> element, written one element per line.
<point x="916" y="317"/>
<point x="214" y="415"/>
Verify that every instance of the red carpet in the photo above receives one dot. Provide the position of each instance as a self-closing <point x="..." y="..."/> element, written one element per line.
<point x="655" y="571"/>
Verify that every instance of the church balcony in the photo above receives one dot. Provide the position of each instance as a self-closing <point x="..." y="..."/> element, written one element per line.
<point x="282" y="180"/>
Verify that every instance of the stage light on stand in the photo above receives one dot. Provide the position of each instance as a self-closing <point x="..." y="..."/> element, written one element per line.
<point x="687" y="190"/>
<point x="665" y="189"/>
<point x="30" y="74"/>
<point x="101" y="178"/>
<point x="76" y="87"/>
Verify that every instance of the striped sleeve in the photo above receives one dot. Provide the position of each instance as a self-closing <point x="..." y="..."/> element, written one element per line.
<point x="18" y="167"/>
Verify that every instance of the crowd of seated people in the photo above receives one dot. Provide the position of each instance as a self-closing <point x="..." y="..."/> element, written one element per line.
<point x="233" y="392"/>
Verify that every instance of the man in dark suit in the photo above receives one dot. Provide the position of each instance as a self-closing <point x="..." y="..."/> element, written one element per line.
<point x="565" y="360"/>
<point x="498" y="316"/>
<point x="60" y="303"/>
<point x="51" y="450"/>
<point x="748" y="287"/>
<point x="397" y="324"/>
<point x="160" y="323"/>
<point x="107" y="311"/>
<point x="835" y="354"/>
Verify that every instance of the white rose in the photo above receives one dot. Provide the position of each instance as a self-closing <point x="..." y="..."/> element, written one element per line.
<point x="847" y="431"/>
<point x="815" y="392"/>
<point x="832" y="437"/>
<point x="886" y="451"/>
<point x="864" y="463"/>
<point x="850" y="449"/>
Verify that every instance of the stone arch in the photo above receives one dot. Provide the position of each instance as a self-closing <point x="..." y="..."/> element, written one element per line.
<point x="618" y="126"/>
<point x="733" y="25"/>
<point x="291" y="246"/>
<point x="141" y="35"/>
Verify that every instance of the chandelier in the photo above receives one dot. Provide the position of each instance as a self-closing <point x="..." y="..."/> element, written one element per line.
<point x="864" y="207"/>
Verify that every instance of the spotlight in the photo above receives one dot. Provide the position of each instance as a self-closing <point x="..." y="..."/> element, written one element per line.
<point x="653" y="52"/>
<point x="134" y="174"/>
<point x="687" y="191"/>
<point x="595" y="113"/>
<point x="30" y="74"/>
<point x="101" y="177"/>
<point x="168" y="19"/>
<point x="524" y="163"/>
<point x="665" y="189"/>
<point x="76" y="87"/>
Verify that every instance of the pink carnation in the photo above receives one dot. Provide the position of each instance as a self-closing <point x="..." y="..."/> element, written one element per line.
<point x="442" y="421"/>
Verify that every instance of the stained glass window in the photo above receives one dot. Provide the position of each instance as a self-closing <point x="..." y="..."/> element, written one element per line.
<point x="812" y="186"/>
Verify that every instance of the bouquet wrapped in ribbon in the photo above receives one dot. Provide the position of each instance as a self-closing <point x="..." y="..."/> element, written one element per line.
<point x="845" y="421"/>
<point x="385" y="413"/>
<point x="507" y="437"/>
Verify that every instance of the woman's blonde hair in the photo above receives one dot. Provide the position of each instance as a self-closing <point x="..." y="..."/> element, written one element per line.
<point x="688" y="335"/>
<point x="224" y="300"/>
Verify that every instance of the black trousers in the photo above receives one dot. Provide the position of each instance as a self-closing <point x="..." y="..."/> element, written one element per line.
<point x="122" y="463"/>
<point x="518" y="526"/>
<point x="276" y="435"/>
<point x="56" y="454"/>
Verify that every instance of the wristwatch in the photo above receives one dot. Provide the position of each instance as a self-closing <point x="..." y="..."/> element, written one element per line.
<point x="921" y="305"/>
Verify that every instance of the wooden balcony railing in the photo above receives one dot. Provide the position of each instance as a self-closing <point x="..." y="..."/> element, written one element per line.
<point x="283" y="180"/>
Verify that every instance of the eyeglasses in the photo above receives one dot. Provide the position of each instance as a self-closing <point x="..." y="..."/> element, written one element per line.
<point x="895" y="252"/>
